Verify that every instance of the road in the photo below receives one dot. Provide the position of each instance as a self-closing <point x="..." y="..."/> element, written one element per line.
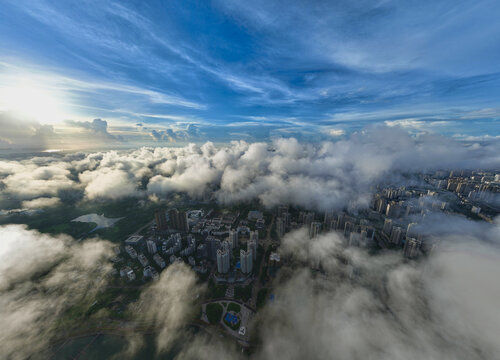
<point x="257" y="284"/>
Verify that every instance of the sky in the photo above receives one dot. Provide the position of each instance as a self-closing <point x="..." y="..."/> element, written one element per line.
<point x="121" y="74"/>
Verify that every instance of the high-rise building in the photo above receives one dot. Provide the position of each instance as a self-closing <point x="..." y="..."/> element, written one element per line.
<point x="308" y="219"/>
<point x="254" y="235"/>
<point x="252" y="245"/>
<point x="161" y="220"/>
<point x="396" y="235"/>
<point x="348" y="228"/>
<point x="151" y="246"/>
<point x="410" y="231"/>
<point x="280" y="227"/>
<point x="222" y="261"/>
<point x="328" y="218"/>
<point x="340" y="221"/>
<point x="314" y="229"/>
<point x="282" y="210"/>
<point x="178" y="220"/>
<point x="213" y="245"/>
<point x="412" y="247"/>
<point x="233" y="238"/>
<point x="333" y="225"/>
<point x="354" y="239"/>
<point x="387" y="226"/>
<point x="226" y="245"/>
<point x="246" y="261"/>
<point x="393" y="210"/>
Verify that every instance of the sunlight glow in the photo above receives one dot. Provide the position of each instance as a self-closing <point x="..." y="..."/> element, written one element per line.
<point x="31" y="101"/>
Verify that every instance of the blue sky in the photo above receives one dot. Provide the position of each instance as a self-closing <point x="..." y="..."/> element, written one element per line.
<point x="255" y="70"/>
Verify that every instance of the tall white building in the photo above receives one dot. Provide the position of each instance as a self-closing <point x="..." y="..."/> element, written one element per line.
<point x="233" y="238"/>
<point x="222" y="261"/>
<point x="252" y="246"/>
<point x="246" y="261"/>
<point x="151" y="247"/>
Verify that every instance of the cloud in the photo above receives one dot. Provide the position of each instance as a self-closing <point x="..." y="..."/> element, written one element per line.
<point x="191" y="132"/>
<point x="317" y="176"/>
<point x="42" y="276"/>
<point x="108" y="183"/>
<point x="332" y="301"/>
<point x="336" y="132"/>
<point x="378" y="306"/>
<point x="97" y="126"/>
<point x="169" y="304"/>
<point x="22" y="133"/>
<point x="41" y="202"/>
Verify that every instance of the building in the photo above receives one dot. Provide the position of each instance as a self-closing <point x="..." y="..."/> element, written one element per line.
<point x="280" y="227"/>
<point x="387" y="226"/>
<point x="143" y="260"/>
<point x="151" y="246"/>
<point x="159" y="261"/>
<point x="254" y="215"/>
<point x="233" y="238"/>
<point x="131" y="251"/>
<point x="226" y="245"/>
<point x="222" y="261"/>
<point x="393" y="210"/>
<point x="282" y="210"/>
<point x="246" y="261"/>
<point x="134" y="240"/>
<point x="412" y="247"/>
<point x="161" y="220"/>
<point x="213" y="245"/>
<point x="201" y="251"/>
<point x="410" y="230"/>
<point x="274" y="259"/>
<point x="131" y="275"/>
<point x="314" y="229"/>
<point x="254" y="235"/>
<point x="396" y="235"/>
<point x="252" y="245"/>
<point x="178" y="220"/>
<point x="308" y="218"/>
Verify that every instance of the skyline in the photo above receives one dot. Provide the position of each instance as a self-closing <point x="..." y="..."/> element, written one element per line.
<point x="93" y="75"/>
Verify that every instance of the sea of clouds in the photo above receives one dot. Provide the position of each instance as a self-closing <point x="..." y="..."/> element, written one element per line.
<point x="335" y="302"/>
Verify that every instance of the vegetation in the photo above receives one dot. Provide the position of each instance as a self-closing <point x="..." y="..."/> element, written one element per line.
<point x="214" y="312"/>
<point x="261" y="298"/>
<point x="216" y="291"/>
<point x="263" y="275"/>
<point x="243" y="293"/>
<point x="234" y="307"/>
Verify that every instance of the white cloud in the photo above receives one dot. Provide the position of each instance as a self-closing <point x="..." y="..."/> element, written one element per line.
<point x="41" y="276"/>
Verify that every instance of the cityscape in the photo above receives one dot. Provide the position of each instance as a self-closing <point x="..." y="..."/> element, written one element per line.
<point x="249" y="180"/>
<point x="238" y="252"/>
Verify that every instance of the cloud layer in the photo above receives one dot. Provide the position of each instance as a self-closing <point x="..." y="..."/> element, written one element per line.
<point x="327" y="175"/>
<point x="41" y="277"/>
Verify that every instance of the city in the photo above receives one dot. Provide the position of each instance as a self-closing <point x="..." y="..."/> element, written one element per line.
<point x="249" y="180"/>
<point x="237" y="252"/>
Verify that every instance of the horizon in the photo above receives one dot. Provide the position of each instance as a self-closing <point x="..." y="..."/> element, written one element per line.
<point x="128" y="74"/>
